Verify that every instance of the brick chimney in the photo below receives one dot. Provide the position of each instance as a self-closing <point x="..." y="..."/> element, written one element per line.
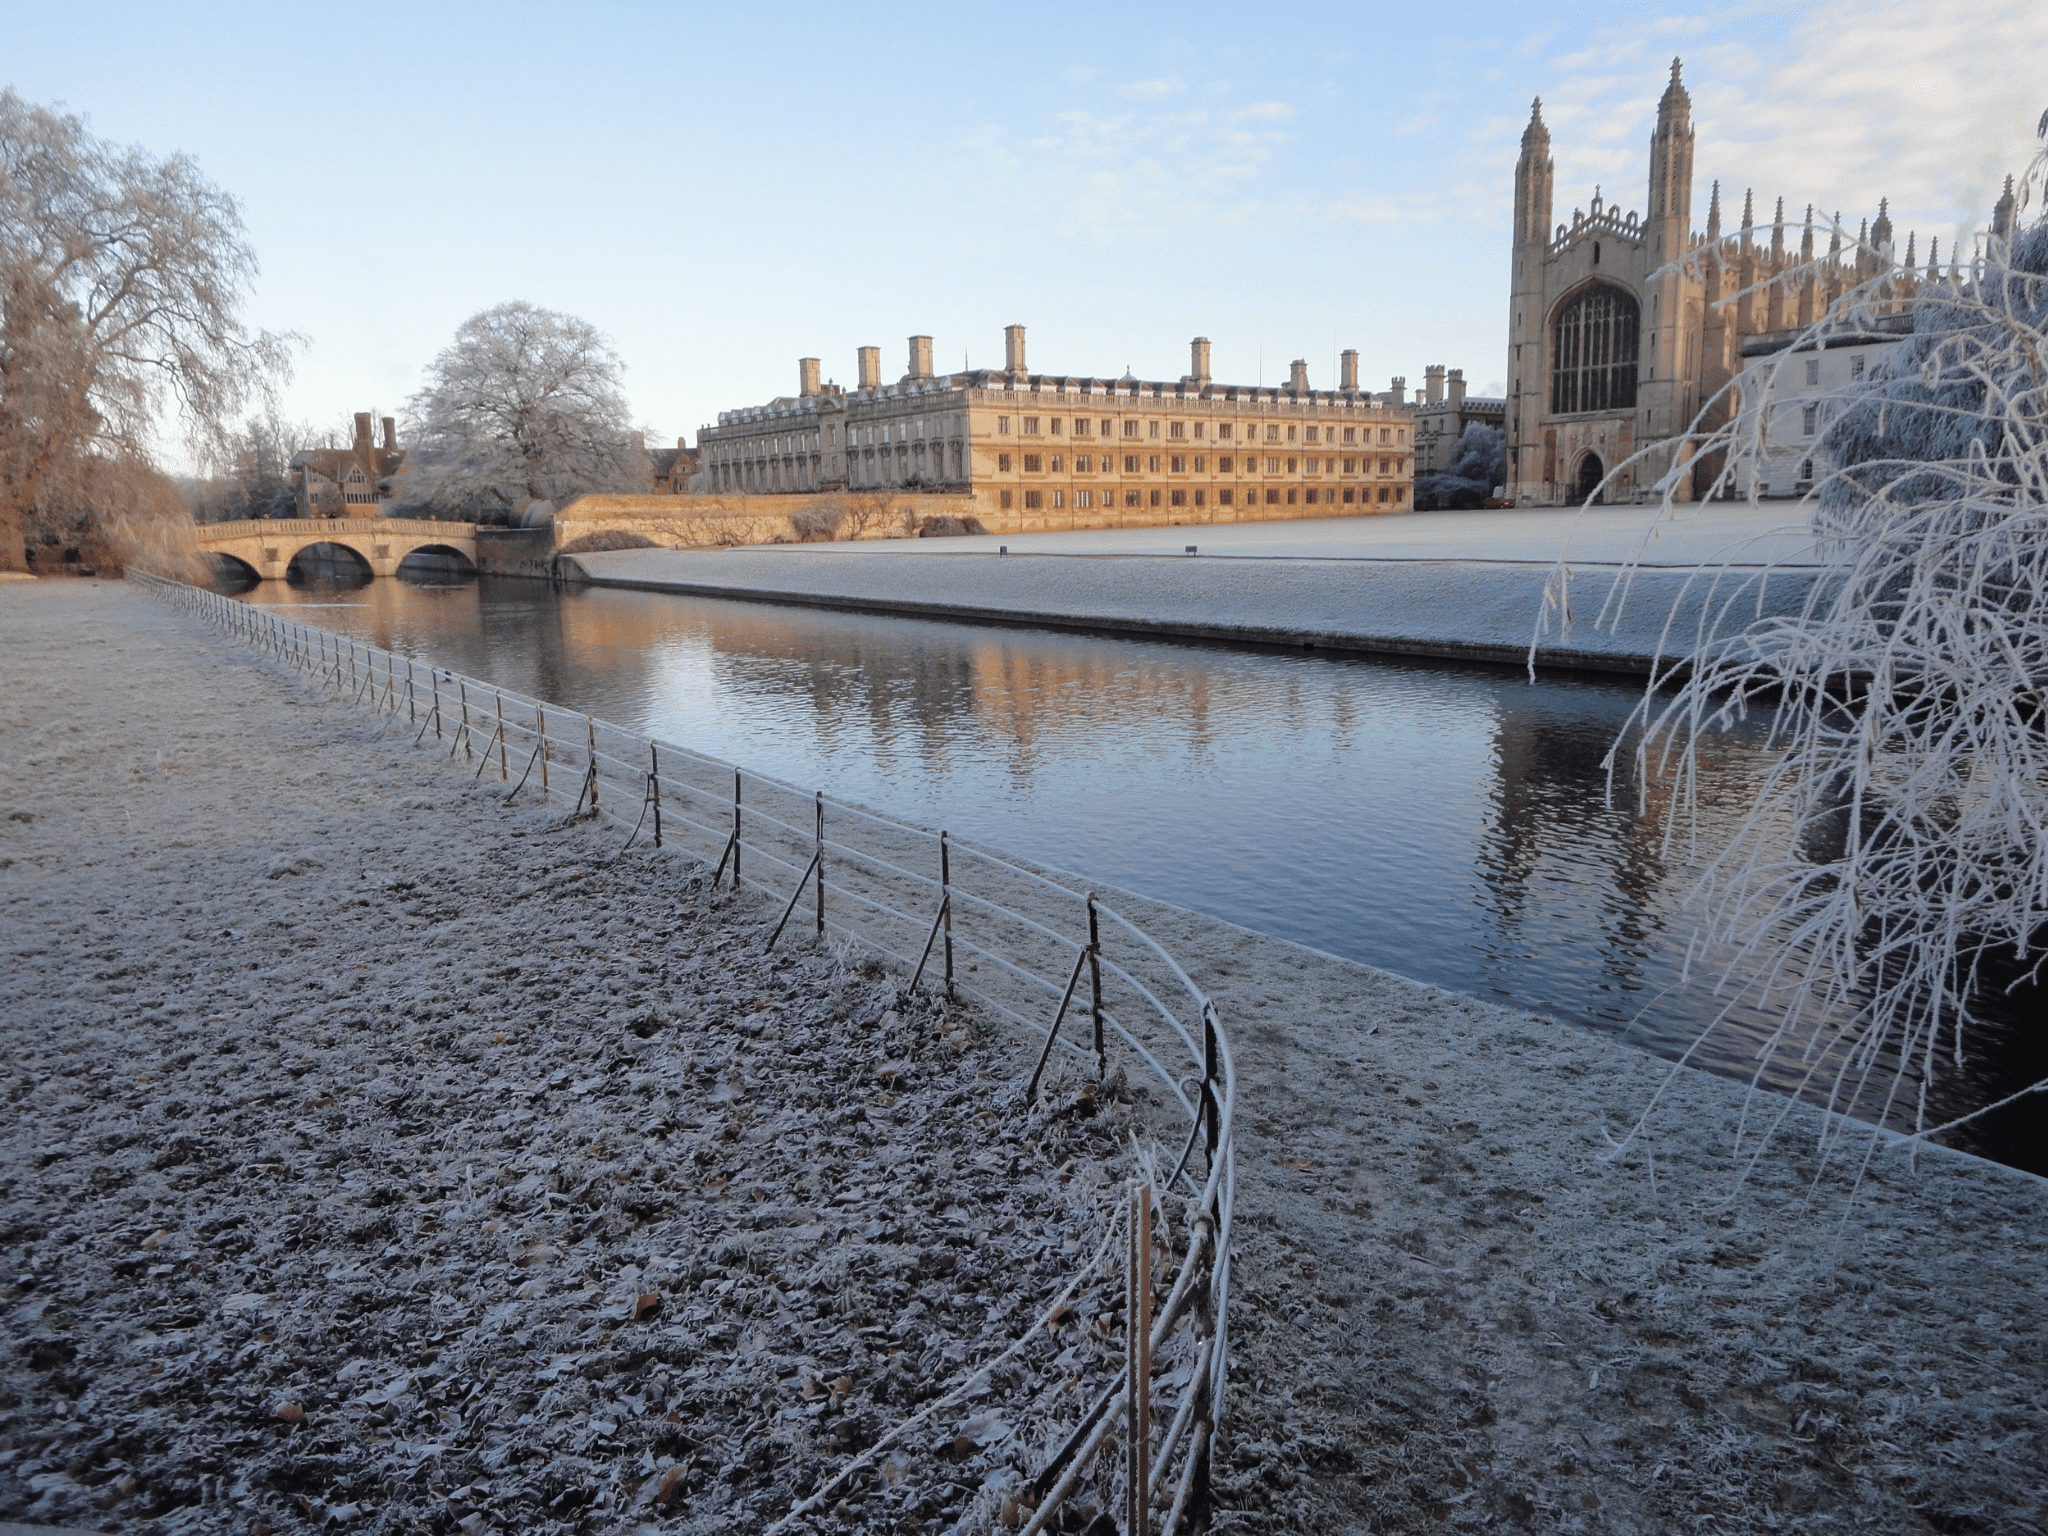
<point x="1347" y="370"/>
<point x="390" y="435"/>
<point x="920" y="357"/>
<point x="870" y="367"/>
<point x="1456" y="386"/>
<point x="806" y="376"/>
<point x="1297" y="376"/>
<point x="1013" y="349"/>
<point x="1433" y="383"/>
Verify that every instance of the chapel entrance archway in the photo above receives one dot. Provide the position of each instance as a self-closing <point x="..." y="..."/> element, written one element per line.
<point x="1587" y="487"/>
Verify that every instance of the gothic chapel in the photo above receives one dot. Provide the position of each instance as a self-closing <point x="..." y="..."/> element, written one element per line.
<point x="1610" y="348"/>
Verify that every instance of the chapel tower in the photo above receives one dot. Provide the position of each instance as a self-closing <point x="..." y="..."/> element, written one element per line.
<point x="1665" y="399"/>
<point x="1535" y="173"/>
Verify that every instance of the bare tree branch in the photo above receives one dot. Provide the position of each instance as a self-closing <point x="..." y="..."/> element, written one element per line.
<point x="121" y="283"/>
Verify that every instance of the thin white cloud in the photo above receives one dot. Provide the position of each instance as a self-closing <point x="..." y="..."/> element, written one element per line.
<point x="1151" y="90"/>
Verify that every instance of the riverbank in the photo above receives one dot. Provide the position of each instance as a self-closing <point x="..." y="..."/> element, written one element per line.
<point x="1453" y="1304"/>
<point x="1448" y="586"/>
<point x="380" y="1157"/>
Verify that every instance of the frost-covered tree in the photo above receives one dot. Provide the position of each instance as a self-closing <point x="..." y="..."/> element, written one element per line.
<point x="1895" y="863"/>
<point x="1478" y="463"/>
<point x="253" y="471"/>
<point x="122" y="279"/>
<point x="525" y="406"/>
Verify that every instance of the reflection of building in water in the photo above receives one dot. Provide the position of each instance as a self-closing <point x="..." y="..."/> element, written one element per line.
<point x="1544" y="818"/>
<point x="1076" y="451"/>
<point x="868" y="683"/>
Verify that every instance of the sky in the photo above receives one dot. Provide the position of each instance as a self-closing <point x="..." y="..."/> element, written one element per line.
<point x="723" y="190"/>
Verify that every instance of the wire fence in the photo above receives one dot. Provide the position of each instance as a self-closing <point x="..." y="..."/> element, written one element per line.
<point x="958" y="918"/>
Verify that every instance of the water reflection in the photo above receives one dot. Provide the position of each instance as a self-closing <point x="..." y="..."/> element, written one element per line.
<point x="1448" y="823"/>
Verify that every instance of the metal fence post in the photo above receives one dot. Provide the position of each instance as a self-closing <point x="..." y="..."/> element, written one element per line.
<point x="1095" y="988"/>
<point x="541" y="716"/>
<point x="590" y="743"/>
<point x="504" y="773"/>
<point x="1138" y="1367"/>
<point x="946" y="900"/>
<point x="737" y="842"/>
<point x="1210" y="1127"/>
<point x="654" y="787"/>
<point x="821" y="863"/>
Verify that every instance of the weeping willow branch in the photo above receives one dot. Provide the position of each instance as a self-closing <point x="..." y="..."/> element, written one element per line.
<point x="1895" y="859"/>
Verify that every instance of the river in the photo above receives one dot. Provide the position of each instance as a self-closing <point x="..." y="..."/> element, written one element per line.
<point x="1451" y="823"/>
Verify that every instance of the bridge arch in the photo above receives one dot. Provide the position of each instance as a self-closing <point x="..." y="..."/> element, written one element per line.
<point x="427" y="561"/>
<point x="330" y="559"/>
<point x="232" y="570"/>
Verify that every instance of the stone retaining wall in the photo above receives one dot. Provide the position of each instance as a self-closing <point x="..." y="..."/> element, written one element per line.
<point x="699" y="522"/>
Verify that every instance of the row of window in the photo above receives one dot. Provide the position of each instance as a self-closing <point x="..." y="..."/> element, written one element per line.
<point x="1389" y="496"/>
<point x="1855" y="368"/>
<point x="1226" y="464"/>
<point x="1083" y="426"/>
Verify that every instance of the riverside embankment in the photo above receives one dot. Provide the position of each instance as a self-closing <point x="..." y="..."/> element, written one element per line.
<point x="1451" y="586"/>
<point x="1458" y="1301"/>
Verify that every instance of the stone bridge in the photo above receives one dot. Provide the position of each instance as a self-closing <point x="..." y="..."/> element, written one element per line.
<point x="266" y="546"/>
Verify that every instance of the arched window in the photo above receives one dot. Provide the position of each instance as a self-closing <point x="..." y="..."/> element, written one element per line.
<point x="1593" y="353"/>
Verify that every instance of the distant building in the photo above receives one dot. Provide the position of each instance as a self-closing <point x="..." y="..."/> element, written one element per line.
<point x="1072" y="451"/>
<point x="1789" y="377"/>
<point x="1444" y="412"/>
<point x="674" y="468"/>
<point x="1624" y="328"/>
<point x="356" y="481"/>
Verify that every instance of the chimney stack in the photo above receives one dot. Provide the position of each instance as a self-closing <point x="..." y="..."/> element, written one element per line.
<point x="806" y="376"/>
<point x="362" y="431"/>
<point x="1198" y="360"/>
<point x="1347" y="370"/>
<point x="1456" y="386"/>
<point x="1013" y="350"/>
<point x="1397" y="393"/>
<point x="920" y="357"/>
<point x="1433" y="383"/>
<point x="390" y="435"/>
<point x="870" y="367"/>
<point x="1297" y="376"/>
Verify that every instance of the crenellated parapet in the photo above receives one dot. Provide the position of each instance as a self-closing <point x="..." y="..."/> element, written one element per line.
<point x="1602" y="219"/>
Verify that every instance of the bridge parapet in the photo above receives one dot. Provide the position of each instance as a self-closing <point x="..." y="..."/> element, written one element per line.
<point x="268" y="545"/>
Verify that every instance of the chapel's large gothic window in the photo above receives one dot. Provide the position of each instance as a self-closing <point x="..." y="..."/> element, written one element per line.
<point x="1593" y="353"/>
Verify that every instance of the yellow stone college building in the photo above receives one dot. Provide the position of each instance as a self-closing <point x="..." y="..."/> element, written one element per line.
<point x="1044" y="451"/>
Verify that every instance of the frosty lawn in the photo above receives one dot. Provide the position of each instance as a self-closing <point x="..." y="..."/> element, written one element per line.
<point x="265" y="1154"/>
